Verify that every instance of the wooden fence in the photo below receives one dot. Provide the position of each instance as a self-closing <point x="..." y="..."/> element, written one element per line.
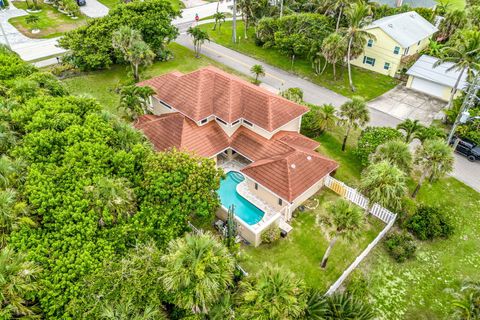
<point x="356" y="197"/>
<point x="376" y="210"/>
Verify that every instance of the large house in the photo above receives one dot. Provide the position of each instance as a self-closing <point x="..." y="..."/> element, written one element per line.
<point x="395" y="38"/>
<point x="246" y="130"/>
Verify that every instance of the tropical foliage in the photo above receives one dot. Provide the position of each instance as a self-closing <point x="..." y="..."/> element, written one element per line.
<point x="429" y="223"/>
<point x="371" y="138"/>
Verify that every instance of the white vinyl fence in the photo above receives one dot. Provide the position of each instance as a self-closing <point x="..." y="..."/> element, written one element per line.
<point x="376" y="210"/>
<point x="356" y="197"/>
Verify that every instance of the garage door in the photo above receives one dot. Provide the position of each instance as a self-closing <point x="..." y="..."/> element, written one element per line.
<point x="428" y="87"/>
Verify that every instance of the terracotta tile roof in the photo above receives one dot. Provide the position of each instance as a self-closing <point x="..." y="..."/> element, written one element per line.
<point x="211" y="91"/>
<point x="296" y="140"/>
<point x="289" y="175"/>
<point x="173" y="130"/>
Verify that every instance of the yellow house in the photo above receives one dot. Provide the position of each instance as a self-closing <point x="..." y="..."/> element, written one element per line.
<point x="395" y="37"/>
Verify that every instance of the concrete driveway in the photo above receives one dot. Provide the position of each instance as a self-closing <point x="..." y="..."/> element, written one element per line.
<point x="403" y="103"/>
<point x="94" y="9"/>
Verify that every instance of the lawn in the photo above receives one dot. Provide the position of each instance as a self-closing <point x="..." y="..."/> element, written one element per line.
<point x="419" y="289"/>
<point x="102" y="84"/>
<point x="52" y="23"/>
<point x="303" y="249"/>
<point x="369" y="84"/>
<point x="177" y="4"/>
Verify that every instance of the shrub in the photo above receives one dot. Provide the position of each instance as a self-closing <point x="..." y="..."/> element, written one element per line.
<point x="371" y="138"/>
<point x="429" y="223"/>
<point x="400" y="246"/>
<point x="271" y="234"/>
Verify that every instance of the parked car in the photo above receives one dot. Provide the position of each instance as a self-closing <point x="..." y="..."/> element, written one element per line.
<point x="81" y="3"/>
<point x="467" y="148"/>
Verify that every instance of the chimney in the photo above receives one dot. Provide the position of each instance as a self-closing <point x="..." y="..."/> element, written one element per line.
<point x="399" y="3"/>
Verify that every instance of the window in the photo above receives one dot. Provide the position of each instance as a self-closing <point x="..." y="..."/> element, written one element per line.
<point x="280" y="202"/>
<point x="235" y="122"/>
<point x="165" y="105"/>
<point x="396" y="50"/>
<point x="386" y="66"/>
<point x="406" y="51"/>
<point x="370" y="43"/>
<point x="256" y="186"/>
<point x="368" y="60"/>
<point x="221" y="121"/>
<point x="248" y="123"/>
<point x="204" y="121"/>
<point x="419" y="42"/>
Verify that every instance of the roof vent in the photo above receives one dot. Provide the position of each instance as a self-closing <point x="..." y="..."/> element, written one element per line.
<point x="390" y="25"/>
<point x="309" y="158"/>
<point x="293" y="166"/>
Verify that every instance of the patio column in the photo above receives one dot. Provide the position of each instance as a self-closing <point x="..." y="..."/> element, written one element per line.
<point x="229" y="155"/>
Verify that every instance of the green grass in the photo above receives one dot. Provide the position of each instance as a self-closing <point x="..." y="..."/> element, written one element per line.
<point x="176" y="4"/>
<point x="456" y="4"/>
<point x="103" y="84"/>
<point x="302" y="250"/>
<point x="369" y="84"/>
<point x="52" y="23"/>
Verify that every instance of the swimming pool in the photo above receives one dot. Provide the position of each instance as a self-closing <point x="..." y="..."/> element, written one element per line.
<point x="244" y="209"/>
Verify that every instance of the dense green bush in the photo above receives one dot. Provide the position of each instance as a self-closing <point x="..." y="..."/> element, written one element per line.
<point x="400" y="246"/>
<point x="271" y="235"/>
<point x="429" y="223"/>
<point x="371" y="138"/>
<point x="90" y="46"/>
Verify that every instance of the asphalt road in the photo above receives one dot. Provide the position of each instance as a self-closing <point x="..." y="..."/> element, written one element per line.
<point x="278" y="79"/>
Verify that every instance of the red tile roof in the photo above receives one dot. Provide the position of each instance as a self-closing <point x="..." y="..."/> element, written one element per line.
<point x="211" y="91"/>
<point x="173" y="130"/>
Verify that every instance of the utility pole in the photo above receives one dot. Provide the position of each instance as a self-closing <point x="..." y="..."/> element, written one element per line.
<point x="234" y="22"/>
<point x="468" y="103"/>
<point x="5" y="35"/>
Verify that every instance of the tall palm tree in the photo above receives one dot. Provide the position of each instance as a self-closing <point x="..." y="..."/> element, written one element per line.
<point x="345" y="306"/>
<point x="258" y="71"/>
<point x="134" y="100"/>
<point x="467" y="301"/>
<point x="347" y="220"/>
<point x="112" y="196"/>
<point x="199" y="38"/>
<point x="384" y="184"/>
<point x="219" y="18"/>
<point x="396" y="153"/>
<point x="410" y="127"/>
<point x="464" y="53"/>
<point x="196" y="271"/>
<point x="353" y="114"/>
<point x="327" y="117"/>
<point x="338" y="6"/>
<point x="433" y="158"/>
<point x="357" y="16"/>
<point x="17" y="283"/>
<point x="333" y="50"/>
<point x="453" y="21"/>
<point x="274" y="293"/>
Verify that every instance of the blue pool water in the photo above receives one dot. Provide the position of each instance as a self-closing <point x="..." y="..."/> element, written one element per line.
<point x="244" y="209"/>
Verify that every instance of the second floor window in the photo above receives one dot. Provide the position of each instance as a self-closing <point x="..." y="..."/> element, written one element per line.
<point x="370" y="43"/>
<point x="396" y="50"/>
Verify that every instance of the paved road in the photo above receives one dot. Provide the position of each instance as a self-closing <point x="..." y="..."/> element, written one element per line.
<point x="465" y="171"/>
<point x="94" y="9"/>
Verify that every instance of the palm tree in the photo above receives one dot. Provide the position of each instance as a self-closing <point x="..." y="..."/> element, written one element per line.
<point x="434" y="48"/>
<point x="385" y="184"/>
<point x="339" y="6"/>
<point x="258" y="71"/>
<point x="33" y="20"/>
<point x="274" y="293"/>
<point x="347" y="220"/>
<point x="345" y="306"/>
<point x="17" y="283"/>
<point x="453" y="21"/>
<point x="353" y="114"/>
<point x="130" y="44"/>
<point x="327" y="117"/>
<point x="396" y="153"/>
<point x="199" y="38"/>
<point x="464" y="53"/>
<point x="126" y="311"/>
<point x="112" y="196"/>
<point x="219" y="18"/>
<point x="196" y="272"/>
<point x="410" y="127"/>
<point x="317" y="307"/>
<point x="433" y="158"/>
<point x="333" y="50"/>
<point x="357" y="36"/>
<point x="428" y="133"/>
<point x="467" y="301"/>
<point x="134" y="100"/>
